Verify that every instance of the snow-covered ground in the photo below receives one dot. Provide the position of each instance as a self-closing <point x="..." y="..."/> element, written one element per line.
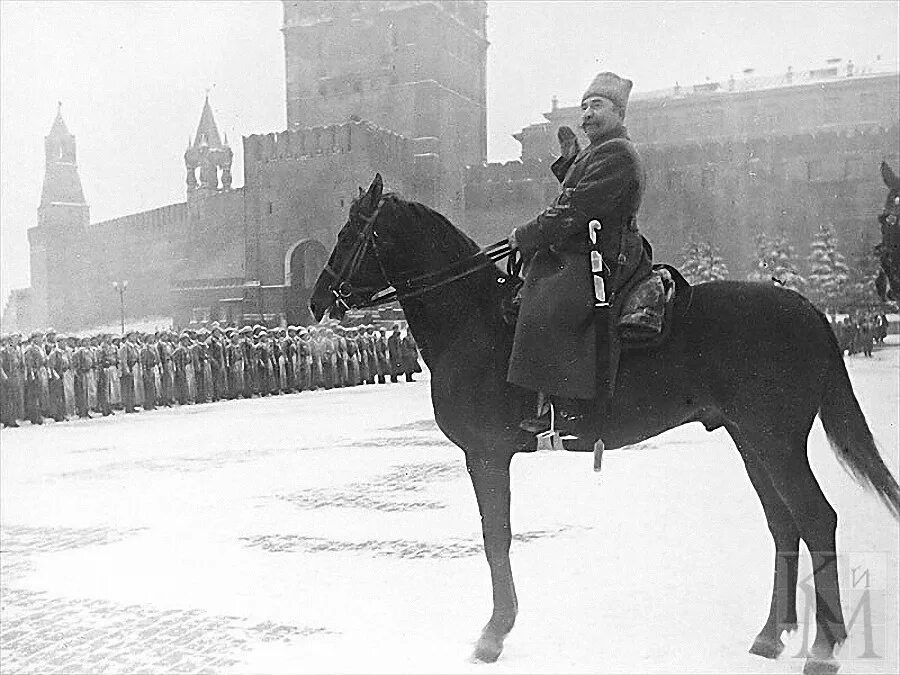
<point x="337" y="532"/>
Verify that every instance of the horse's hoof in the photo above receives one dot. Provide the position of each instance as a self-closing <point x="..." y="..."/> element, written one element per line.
<point x="487" y="650"/>
<point x="821" y="666"/>
<point x="767" y="647"/>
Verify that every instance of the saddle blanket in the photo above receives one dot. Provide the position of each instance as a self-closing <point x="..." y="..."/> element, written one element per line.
<point x="644" y="308"/>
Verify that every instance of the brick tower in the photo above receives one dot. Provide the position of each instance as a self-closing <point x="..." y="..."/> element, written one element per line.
<point x="63" y="216"/>
<point x="414" y="67"/>
<point x="208" y="153"/>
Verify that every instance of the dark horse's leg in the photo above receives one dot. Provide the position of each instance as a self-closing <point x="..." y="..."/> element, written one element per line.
<point x="490" y="478"/>
<point x="784" y="458"/>
<point x="783" y="609"/>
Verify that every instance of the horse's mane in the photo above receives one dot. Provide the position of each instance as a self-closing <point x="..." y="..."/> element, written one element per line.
<point x="434" y="231"/>
<point x="432" y="225"/>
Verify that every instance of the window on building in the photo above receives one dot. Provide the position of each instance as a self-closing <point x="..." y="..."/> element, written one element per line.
<point x="807" y="114"/>
<point x="868" y="106"/>
<point x="200" y="314"/>
<point x="749" y="118"/>
<point x="854" y="168"/>
<point x="775" y="118"/>
<point x="831" y="110"/>
<point x="814" y="171"/>
<point x="715" y="122"/>
<point x="673" y="179"/>
<point x="662" y="128"/>
<point x="795" y="169"/>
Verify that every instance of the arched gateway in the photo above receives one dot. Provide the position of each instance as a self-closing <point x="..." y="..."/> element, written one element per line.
<point x="303" y="263"/>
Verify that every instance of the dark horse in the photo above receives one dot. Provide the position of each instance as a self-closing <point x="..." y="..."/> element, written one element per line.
<point x="755" y="358"/>
<point x="888" y="251"/>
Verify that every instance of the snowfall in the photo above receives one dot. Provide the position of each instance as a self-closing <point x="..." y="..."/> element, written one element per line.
<point x="347" y="522"/>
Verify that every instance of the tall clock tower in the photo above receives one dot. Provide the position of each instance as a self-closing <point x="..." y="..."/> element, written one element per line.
<point x="414" y="67"/>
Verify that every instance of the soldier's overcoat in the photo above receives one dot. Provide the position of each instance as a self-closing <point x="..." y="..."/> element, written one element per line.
<point x="555" y="342"/>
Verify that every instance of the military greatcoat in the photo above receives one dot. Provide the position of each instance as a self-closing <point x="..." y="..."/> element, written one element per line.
<point x="554" y="350"/>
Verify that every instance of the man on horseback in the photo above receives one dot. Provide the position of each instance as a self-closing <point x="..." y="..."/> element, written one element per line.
<point x="592" y="222"/>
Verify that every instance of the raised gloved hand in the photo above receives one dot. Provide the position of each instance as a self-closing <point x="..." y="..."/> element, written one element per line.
<point x="568" y="142"/>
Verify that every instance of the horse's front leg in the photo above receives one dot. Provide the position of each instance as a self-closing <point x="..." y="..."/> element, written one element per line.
<point x="490" y="478"/>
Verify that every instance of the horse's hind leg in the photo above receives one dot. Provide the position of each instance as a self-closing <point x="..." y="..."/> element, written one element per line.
<point x="783" y="609"/>
<point x="787" y="466"/>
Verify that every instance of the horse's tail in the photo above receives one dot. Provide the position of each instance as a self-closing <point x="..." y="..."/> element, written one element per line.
<point x="849" y="434"/>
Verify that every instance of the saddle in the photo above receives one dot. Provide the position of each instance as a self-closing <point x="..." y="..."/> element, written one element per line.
<point x="647" y="308"/>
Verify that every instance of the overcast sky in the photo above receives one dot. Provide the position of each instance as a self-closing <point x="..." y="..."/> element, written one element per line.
<point x="132" y="77"/>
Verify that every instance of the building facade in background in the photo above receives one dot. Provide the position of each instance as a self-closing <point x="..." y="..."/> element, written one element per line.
<point x="726" y="161"/>
<point x="399" y="87"/>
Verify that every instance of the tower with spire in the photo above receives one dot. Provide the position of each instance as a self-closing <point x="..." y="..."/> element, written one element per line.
<point x="209" y="154"/>
<point x="62" y="185"/>
<point x="63" y="217"/>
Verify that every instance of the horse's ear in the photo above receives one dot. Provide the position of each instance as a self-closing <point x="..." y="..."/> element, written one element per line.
<point x="375" y="189"/>
<point x="361" y="193"/>
<point x="889" y="177"/>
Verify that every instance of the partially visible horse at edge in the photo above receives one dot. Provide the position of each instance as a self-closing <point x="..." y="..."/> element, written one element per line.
<point x="754" y="358"/>
<point x="888" y="251"/>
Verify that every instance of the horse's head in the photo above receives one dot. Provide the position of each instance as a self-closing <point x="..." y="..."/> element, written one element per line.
<point x="353" y="273"/>
<point x="888" y="250"/>
<point x="387" y="241"/>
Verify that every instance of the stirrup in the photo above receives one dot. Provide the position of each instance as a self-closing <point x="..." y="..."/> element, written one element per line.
<point x="550" y="440"/>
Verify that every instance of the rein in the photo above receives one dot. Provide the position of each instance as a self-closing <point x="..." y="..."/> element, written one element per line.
<point x="410" y="287"/>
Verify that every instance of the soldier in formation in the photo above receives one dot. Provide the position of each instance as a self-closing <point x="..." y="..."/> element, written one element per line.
<point x="56" y="377"/>
<point x="860" y="332"/>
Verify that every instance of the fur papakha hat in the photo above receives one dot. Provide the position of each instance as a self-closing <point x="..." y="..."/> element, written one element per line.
<point x="611" y="86"/>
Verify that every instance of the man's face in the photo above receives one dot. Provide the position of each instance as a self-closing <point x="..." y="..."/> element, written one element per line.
<point x="599" y="116"/>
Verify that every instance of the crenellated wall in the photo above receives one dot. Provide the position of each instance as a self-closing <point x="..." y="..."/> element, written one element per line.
<point x="299" y="185"/>
<point x="386" y="147"/>
<point x="137" y="248"/>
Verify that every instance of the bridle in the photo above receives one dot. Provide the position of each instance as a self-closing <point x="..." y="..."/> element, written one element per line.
<point x="887" y="249"/>
<point x="408" y="287"/>
<point x="890" y="216"/>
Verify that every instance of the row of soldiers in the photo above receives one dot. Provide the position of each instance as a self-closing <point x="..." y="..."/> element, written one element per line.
<point x="860" y="332"/>
<point x="52" y="376"/>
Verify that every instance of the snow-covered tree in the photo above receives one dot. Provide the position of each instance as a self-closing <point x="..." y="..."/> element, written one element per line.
<point x="784" y="264"/>
<point x="775" y="262"/>
<point x="701" y="262"/>
<point x="764" y="260"/>
<point x="828" y="275"/>
<point x="864" y="266"/>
